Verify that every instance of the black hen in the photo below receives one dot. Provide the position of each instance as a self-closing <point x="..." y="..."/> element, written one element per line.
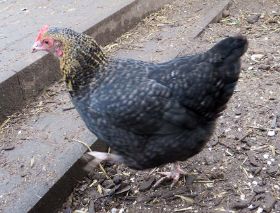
<point x="150" y="114"/>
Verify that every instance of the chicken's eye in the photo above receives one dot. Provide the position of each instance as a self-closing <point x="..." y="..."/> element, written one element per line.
<point x="46" y="42"/>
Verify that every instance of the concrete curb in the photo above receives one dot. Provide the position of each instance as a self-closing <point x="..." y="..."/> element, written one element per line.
<point x="57" y="194"/>
<point x="27" y="83"/>
<point x="214" y="14"/>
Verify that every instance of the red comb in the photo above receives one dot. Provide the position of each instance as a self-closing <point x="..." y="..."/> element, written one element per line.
<point x="42" y="31"/>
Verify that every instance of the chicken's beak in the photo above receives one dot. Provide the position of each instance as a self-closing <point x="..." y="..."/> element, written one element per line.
<point x="37" y="46"/>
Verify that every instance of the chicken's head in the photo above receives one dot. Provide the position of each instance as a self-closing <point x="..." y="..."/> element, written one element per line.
<point x="46" y="41"/>
<point x="68" y="44"/>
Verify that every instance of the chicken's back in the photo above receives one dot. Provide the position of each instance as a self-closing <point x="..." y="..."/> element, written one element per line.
<point x="205" y="82"/>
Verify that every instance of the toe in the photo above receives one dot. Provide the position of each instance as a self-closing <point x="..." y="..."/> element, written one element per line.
<point x="176" y="177"/>
<point x="166" y="174"/>
<point x="159" y="182"/>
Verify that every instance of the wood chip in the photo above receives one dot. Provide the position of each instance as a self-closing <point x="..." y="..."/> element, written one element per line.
<point x="99" y="189"/>
<point x="272" y="150"/>
<point x="183" y="209"/>
<point x="79" y="211"/>
<point x="8" y="148"/>
<point x="32" y="161"/>
<point x="123" y="190"/>
<point x="4" y="123"/>
<point x="93" y="183"/>
<point x="186" y="199"/>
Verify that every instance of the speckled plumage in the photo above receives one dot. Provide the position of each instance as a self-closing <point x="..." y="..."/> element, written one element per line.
<point x="150" y="114"/>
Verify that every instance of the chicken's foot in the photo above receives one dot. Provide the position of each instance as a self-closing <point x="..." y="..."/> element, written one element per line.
<point x="174" y="174"/>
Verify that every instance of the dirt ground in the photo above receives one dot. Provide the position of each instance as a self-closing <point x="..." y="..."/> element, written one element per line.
<point x="238" y="171"/>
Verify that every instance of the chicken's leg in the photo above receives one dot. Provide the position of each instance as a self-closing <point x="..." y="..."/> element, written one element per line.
<point x="104" y="156"/>
<point x="174" y="174"/>
<point x="99" y="157"/>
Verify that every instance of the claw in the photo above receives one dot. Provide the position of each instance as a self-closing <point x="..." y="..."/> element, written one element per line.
<point x="174" y="174"/>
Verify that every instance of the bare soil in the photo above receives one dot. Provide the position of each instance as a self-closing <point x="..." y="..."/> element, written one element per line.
<point x="238" y="171"/>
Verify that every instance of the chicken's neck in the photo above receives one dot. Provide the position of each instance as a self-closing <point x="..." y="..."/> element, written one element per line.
<point x="82" y="70"/>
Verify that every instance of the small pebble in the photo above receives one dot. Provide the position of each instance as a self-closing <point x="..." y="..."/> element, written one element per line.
<point x="114" y="210"/>
<point x="259" y="210"/>
<point x="117" y="180"/>
<point x="237" y="112"/>
<point x="271" y="133"/>
<point x="250" y="68"/>
<point x="259" y="190"/>
<point x="250" y="207"/>
<point x="23" y="174"/>
<point x="250" y="176"/>
<point x="276" y="187"/>
<point x="85" y="201"/>
<point x="273" y="170"/>
<point x="265" y="156"/>
<point x="268" y="162"/>
<point x="146" y="185"/>
<point x="226" y="13"/>
<point x="264" y="67"/>
<point x="252" y="19"/>
<point x="256" y="57"/>
<point x="108" y="184"/>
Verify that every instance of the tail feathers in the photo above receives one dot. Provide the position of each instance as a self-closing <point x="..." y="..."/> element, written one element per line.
<point x="225" y="57"/>
<point x="229" y="49"/>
